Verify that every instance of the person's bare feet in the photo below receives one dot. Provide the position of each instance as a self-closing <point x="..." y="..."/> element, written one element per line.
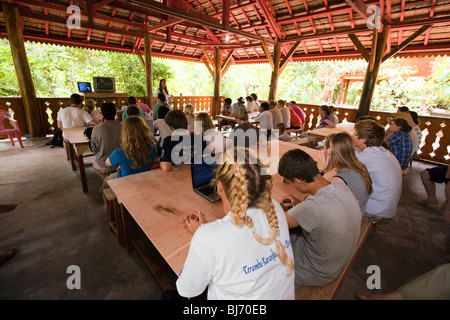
<point x="7" y="254"/>
<point x="427" y="201"/>
<point x="445" y="214"/>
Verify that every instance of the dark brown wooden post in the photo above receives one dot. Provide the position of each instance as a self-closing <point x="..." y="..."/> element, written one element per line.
<point x="148" y="69"/>
<point x="370" y="79"/>
<point x="23" y="71"/>
<point x="275" y="72"/>
<point x="217" y="81"/>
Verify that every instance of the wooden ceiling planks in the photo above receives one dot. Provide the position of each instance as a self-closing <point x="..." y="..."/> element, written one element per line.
<point x="322" y="26"/>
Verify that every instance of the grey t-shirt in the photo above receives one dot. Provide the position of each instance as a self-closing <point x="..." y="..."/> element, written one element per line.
<point x="331" y="223"/>
<point x="105" y="138"/>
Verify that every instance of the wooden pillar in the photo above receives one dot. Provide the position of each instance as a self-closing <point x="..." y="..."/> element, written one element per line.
<point x="148" y="69"/>
<point x="23" y="71"/>
<point x="217" y="81"/>
<point x="275" y="72"/>
<point x="370" y="79"/>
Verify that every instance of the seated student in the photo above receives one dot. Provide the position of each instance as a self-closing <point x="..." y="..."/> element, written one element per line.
<point x="333" y="116"/>
<point x="296" y="121"/>
<point x="255" y="100"/>
<point x="383" y="168"/>
<point x="240" y="103"/>
<point x="90" y="107"/>
<point x="74" y="115"/>
<point x="416" y="131"/>
<point x="190" y="116"/>
<point x="132" y="110"/>
<point x="143" y="106"/>
<point x="245" y="134"/>
<point x="161" y="102"/>
<point x="397" y="136"/>
<point x="265" y="117"/>
<point x="330" y="221"/>
<point x="339" y="154"/>
<point x="215" y="141"/>
<point x="325" y="121"/>
<point x="285" y="113"/>
<point x="161" y="126"/>
<point x="177" y="121"/>
<point x="283" y="135"/>
<point x="251" y="106"/>
<point x="276" y="113"/>
<point x="298" y="111"/>
<point x="137" y="152"/>
<point x="226" y="110"/>
<point x="247" y="254"/>
<point x="105" y="138"/>
<point x="430" y="177"/>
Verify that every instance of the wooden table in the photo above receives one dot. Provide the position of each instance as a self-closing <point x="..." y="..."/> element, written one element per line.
<point x="323" y="132"/>
<point x="157" y="202"/>
<point x="78" y="146"/>
<point x="233" y="119"/>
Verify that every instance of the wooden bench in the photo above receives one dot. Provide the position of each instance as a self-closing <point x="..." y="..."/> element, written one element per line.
<point x="330" y="291"/>
<point x="114" y="214"/>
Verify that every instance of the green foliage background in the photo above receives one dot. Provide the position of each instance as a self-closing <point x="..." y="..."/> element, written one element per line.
<point x="56" y="70"/>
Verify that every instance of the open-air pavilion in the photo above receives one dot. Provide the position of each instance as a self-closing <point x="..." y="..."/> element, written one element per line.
<point x="219" y="33"/>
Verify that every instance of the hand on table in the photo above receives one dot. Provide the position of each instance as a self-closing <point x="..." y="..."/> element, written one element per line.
<point x="194" y="220"/>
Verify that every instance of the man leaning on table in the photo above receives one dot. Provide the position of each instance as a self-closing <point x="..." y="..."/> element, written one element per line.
<point x="383" y="167"/>
<point x="74" y="115"/>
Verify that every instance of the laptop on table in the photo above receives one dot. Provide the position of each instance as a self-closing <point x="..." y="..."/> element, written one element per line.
<point x="202" y="175"/>
<point x="84" y="86"/>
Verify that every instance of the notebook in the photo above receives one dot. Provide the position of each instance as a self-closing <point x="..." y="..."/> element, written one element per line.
<point x="84" y="86"/>
<point x="202" y="174"/>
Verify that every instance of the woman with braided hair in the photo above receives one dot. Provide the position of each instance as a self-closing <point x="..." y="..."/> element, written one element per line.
<point x="247" y="254"/>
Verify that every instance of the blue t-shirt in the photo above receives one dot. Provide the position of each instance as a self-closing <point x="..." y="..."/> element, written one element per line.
<point x="118" y="158"/>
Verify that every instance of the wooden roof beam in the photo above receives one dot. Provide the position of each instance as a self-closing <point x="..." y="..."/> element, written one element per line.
<point x="195" y="17"/>
<point x="270" y="18"/>
<point x="410" y="39"/>
<point x="359" y="46"/>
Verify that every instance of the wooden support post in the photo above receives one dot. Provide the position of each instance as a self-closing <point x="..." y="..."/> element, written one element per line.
<point x="217" y="81"/>
<point x="370" y="78"/>
<point x="148" y="69"/>
<point x="27" y="91"/>
<point x="275" y="72"/>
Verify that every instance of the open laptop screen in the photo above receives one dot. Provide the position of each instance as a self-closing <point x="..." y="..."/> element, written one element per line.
<point x="202" y="174"/>
<point x="84" y="86"/>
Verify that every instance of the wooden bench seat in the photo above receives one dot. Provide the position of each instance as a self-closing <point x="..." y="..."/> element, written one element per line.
<point x="114" y="214"/>
<point x="330" y="291"/>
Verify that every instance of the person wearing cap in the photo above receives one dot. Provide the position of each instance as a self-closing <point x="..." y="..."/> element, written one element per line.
<point x="240" y="103"/>
<point x="245" y="132"/>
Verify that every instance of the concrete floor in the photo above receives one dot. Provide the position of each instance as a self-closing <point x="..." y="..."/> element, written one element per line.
<point x="56" y="225"/>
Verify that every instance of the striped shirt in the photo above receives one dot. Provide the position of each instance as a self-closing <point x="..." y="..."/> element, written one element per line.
<point x="355" y="183"/>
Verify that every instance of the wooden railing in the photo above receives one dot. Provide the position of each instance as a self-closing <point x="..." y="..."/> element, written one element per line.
<point x="434" y="146"/>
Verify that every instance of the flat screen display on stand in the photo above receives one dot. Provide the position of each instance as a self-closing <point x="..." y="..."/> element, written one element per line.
<point x="104" y="84"/>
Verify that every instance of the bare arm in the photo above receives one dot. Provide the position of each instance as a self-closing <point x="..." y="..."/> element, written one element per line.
<point x="165" y="166"/>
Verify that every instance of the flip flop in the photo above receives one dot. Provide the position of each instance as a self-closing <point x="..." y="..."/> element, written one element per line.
<point x="7" y="255"/>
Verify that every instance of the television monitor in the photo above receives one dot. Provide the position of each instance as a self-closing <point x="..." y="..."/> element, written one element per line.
<point x="84" y="86"/>
<point x="104" y="84"/>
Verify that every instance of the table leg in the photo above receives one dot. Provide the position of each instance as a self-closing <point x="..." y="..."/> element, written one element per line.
<point x="72" y="156"/>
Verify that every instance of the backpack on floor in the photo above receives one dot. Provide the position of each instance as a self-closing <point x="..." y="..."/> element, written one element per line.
<point x="57" y="140"/>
